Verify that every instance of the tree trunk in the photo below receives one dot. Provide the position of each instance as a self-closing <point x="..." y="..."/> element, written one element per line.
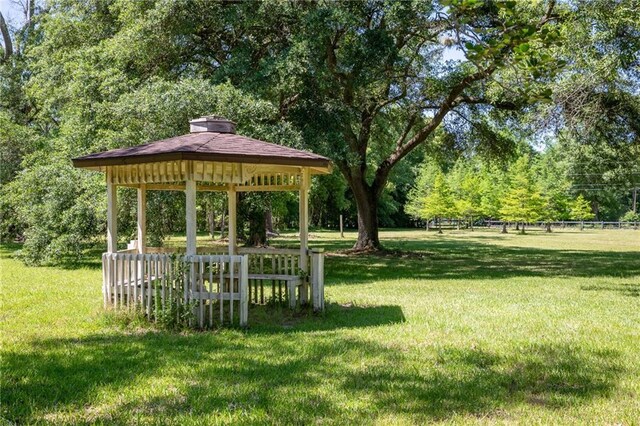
<point x="211" y="221"/>
<point x="222" y="225"/>
<point x="548" y="226"/>
<point x="439" y="225"/>
<point x="257" y="230"/>
<point x="471" y="222"/>
<point x="504" y="228"/>
<point x="4" y="31"/>
<point x="517" y="226"/>
<point x="522" y="230"/>
<point x="268" y="220"/>
<point x="367" y="224"/>
<point x="367" y="204"/>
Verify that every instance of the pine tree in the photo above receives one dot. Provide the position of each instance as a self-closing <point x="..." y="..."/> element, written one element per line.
<point x="552" y="178"/>
<point x="465" y="182"/>
<point x="425" y="178"/>
<point x="492" y="189"/>
<point x="523" y="201"/>
<point x="581" y="210"/>
<point x="438" y="203"/>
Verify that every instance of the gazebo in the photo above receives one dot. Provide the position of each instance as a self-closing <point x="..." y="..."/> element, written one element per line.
<point x="212" y="157"/>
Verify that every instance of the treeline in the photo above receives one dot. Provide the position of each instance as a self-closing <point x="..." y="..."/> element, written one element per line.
<point x="524" y="191"/>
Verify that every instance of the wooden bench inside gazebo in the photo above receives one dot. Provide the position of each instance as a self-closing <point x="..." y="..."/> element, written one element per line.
<point x="213" y="282"/>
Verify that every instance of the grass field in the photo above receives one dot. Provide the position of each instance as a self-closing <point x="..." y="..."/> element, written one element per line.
<point x="465" y="327"/>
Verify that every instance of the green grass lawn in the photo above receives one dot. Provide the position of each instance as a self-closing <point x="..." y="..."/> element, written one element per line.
<point x="464" y="327"/>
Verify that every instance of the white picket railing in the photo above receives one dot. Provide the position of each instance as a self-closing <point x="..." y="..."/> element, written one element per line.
<point x="158" y="282"/>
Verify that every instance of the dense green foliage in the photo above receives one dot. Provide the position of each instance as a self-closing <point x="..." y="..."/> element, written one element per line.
<point x="534" y="187"/>
<point x="377" y="86"/>
<point x="581" y="209"/>
<point x="522" y="201"/>
<point x="438" y="204"/>
<point x="465" y="328"/>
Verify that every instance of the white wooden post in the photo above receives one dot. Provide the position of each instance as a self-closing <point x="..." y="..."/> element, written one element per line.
<point x="244" y="290"/>
<point x="142" y="218"/>
<point x="141" y="242"/>
<point x="233" y="200"/>
<point x="190" y="191"/>
<point x="304" y="232"/>
<point x="317" y="279"/>
<point x="112" y="214"/>
<point x="190" y="200"/>
<point x="341" y="228"/>
<point x="105" y="280"/>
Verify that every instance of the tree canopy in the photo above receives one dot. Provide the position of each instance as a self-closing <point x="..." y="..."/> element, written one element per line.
<point x="378" y="86"/>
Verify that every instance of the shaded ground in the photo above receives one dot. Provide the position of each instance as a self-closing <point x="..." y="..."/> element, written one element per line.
<point x="460" y="328"/>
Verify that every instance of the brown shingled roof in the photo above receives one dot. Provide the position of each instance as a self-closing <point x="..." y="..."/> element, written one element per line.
<point x="205" y="146"/>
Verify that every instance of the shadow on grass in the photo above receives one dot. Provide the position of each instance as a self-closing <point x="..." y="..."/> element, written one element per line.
<point x="281" y="319"/>
<point x="626" y="289"/>
<point x="455" y="259"/>
<point x="443" y="258"/>
<point x="91" y="257"/>
<point x="291" y="378"/>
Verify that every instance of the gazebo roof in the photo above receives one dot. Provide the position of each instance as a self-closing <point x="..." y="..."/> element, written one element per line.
<point x="211" y="139"/>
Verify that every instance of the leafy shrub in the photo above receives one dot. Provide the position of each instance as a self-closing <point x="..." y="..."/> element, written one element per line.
<point x="630" y="216"/>
<point x="61" y="208"/>
<point x="175" y="314"/>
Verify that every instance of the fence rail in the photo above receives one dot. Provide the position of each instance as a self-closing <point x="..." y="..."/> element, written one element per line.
<point x="574" y="223"/>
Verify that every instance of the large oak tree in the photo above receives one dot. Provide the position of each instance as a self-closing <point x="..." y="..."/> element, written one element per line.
<point x="339" y="70"/>
<point x="366" y="82"/>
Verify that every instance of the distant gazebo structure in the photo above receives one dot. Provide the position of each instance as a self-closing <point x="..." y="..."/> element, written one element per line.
<point x="212" y="157"/>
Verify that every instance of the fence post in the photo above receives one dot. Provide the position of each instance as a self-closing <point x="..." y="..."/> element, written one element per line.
<point x="317" y="279"/>
<point x="244" y="290"/>
<point x="185" y="279"/>
<point x="111" y="286"/>
<point x="105" y="279"/>
<point x="192" y="287"/>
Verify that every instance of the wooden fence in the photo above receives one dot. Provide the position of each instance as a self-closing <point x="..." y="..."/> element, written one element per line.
<point x="162" y="284"/>
<point x="275" y="274"/>
<point x="574" y="224"/>
<point x="215" y="288"/>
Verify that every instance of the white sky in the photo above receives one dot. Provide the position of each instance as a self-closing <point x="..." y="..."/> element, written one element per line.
<point x="12" y="12"/>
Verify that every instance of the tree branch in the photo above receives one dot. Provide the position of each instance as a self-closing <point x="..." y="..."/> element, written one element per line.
<point x="454" y="98"/>
<point x="449" y="102"/>
<point x="8" y="46"/>
<point x="508" y="105"/>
